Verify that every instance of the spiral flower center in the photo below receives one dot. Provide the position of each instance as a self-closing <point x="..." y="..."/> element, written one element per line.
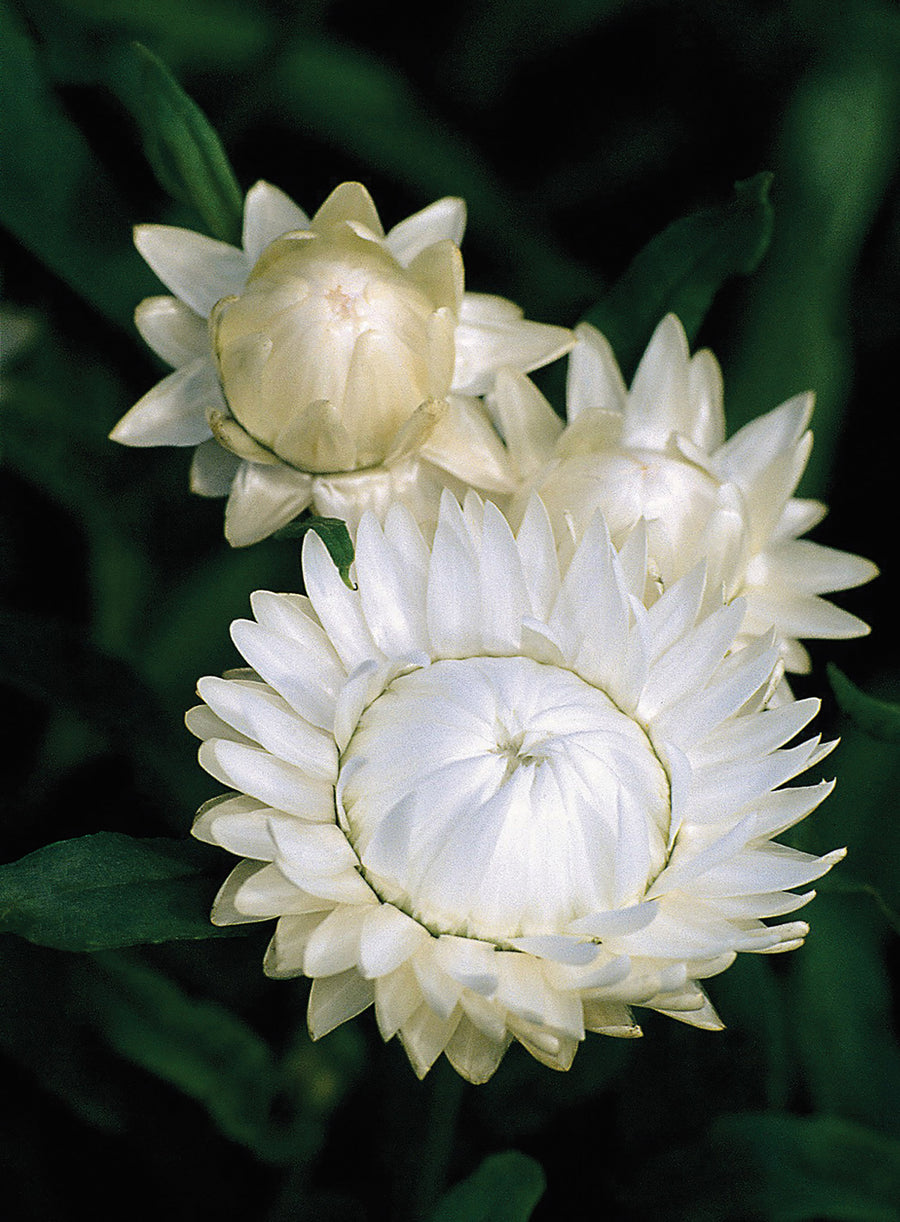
<point x="501" y="797"/>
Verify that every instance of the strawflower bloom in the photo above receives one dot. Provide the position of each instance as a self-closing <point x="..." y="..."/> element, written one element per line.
<point x="658" y="452"/>
<point x="498" y="802"/>
<point x="326" y="363"/>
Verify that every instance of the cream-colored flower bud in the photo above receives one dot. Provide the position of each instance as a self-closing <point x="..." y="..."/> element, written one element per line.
<point x="332" y="346"/>
<point x="328" y="363"/>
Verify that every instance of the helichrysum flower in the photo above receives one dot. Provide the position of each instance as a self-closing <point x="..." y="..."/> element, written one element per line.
<point x="658" y="453"/>
<point x="499" y="802"/>
<point x="327" y="363"/>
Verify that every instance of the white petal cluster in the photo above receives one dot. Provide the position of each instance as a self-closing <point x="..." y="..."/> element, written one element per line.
<point x="502" y="799"/>
<point x="657" y="453"/>
<point x="326" y="363"/>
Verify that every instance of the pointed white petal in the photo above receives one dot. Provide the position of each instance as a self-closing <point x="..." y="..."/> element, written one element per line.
<point x="594" y="379"/>
<point x="274" y="782"/>
<point x="268" y="213"/>
<point x="444" y="219"/>
<point x="262" y="500"/>
<point x="198" y="269"/>
<point x="172" y="330"/>
<point x="335" y="999"/>
<point x="173" y="413"/>
<point x="213" y="469"/>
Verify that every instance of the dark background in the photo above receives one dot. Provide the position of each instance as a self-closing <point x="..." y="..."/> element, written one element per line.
<point x="177" y="1081"/>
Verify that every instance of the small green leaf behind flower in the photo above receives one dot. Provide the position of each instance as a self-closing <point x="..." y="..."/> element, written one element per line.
<point x="682" y="268"/>
<point x="505" y="1188"/>
<point x="878" y="719"/>
<point x="185" y="152"/>
<point x="333" y="533"/>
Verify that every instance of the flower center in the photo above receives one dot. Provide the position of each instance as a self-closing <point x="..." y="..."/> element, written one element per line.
<point x="674" y="497"/>
<point x="500" y="797"/>
<point x="326" y="352"/>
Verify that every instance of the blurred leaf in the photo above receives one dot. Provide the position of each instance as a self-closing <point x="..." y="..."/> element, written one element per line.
<point x="354" y="101"/>
<point x="109" y="890"/>
<point x="216" y="33"/>
<point x="877" y="718"/>
<point x="196" y="1045"/>
<point x="274" y="1107"/>
<point x="55" y="197"/>
<point x="333" y="533"/>
<point x="774" y="1167"/>
<point x="56" y="663"/>
<point x="750" y="997"/>
<point x="841" y="1012"/>
<point x="500" y="37"/>
<point x="185" y="152"/>
<point x="34" y="1020"/>
<point x="681" y="270"/>
<point x="505" y="1188"/>
<point x="838" y="152"/>
<point x="800" y="1169"/>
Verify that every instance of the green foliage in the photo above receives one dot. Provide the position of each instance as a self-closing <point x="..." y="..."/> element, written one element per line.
<point x="109" y="890"/>
<point x="274" y="1106"/>
<point x="879" y="719"/>
<point x="681" y="270"/>
<point x="505" y="1188"/>
<point x="185" y="152"/>
<point x="56" y="197"/>
<point x="333" y="533"/>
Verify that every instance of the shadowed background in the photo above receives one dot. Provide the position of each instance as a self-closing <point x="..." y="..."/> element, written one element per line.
<point x="176" y="1078"/>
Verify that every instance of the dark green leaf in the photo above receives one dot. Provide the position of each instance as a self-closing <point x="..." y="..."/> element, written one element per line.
<point x="835" y="162"/>
<point x="876" y="718"/>
<point x="275" y="1107"/>
<point x="841" y="1013"/>
<point x="56" y="664"/>
<point x="109" y="890"/>
<point x="505" y="1188"/>
<point x="798" y="1169"/>
<point x="681" y="269"/>
<point x="186" y="153"/>
<point x="333" y="533"/>
<point x="774" y="1167"/>
<point x="55" y="196"/>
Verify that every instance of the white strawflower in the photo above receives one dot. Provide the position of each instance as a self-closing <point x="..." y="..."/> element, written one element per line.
<point x="326" y="363"/>
<point x="658" y="453"/>
<point x="498" y="802"/>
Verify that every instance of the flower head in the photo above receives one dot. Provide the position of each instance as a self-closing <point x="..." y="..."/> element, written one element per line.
<point x="658" y="454"/>
<point x="327" y="363"/>
<point x="501" y="802"/>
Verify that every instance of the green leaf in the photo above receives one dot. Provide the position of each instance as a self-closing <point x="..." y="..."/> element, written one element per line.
<point x="505" y="1188"/>
<point x="841" y="1013"/>
<point x="109" y="890"/>
<point x="774" y="1167"/>
<point x="799" y="1169"/>
<point x="186" y="154"/>
<point x="878" y="719"/>
<point x="681" y="269"/>
<point x="836" y="159"/>
<point x="333" y="533"/>
<point x="55" y="196"/>
<point x="276" y="1107"/>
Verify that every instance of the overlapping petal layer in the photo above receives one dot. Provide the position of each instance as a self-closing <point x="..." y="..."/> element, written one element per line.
<point x="499" y="799"/>
<point x="657" y="453"/>
<point x="340" y="367"/>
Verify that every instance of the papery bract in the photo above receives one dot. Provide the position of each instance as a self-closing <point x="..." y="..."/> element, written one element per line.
<point x="499" y="800"/>
<point x="657" y="453"/>
<point x="326" y="363"/>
